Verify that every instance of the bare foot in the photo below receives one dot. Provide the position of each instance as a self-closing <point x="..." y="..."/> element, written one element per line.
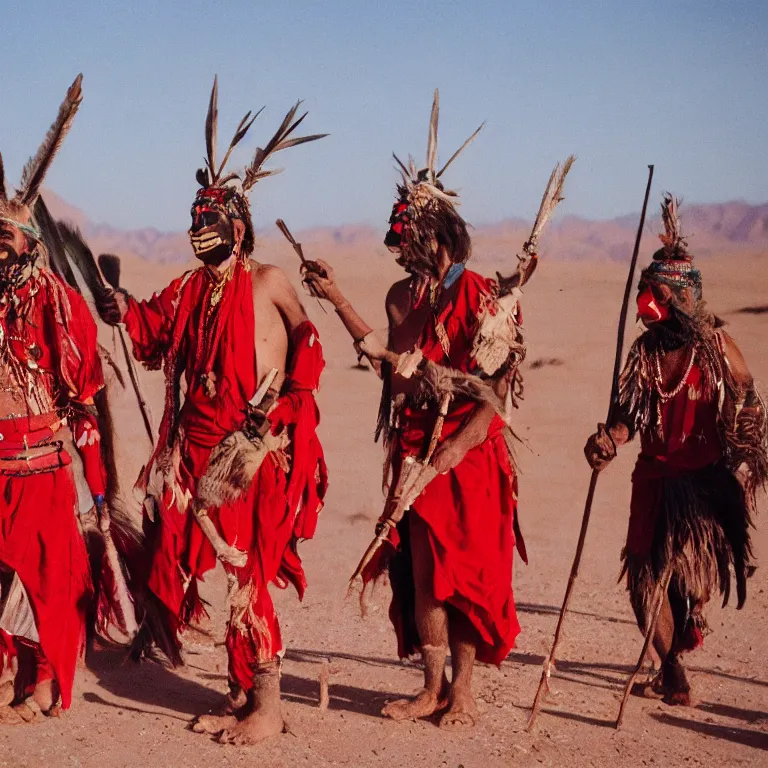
<point x="25" y="712"/>
<point x="651" y="689"/>
<point x="226" y="717"/>
<point x="9" y="716"/>
<point x="677" y="691"/>
<point x="424" y="704"/>
<point x="46" y="696"/>
<point x="7" y="693"/>
<point x="680" y="698"/>
<point x="461" y="713"/>
<point x="212" y="724"/>
<point x="254" y="727"/>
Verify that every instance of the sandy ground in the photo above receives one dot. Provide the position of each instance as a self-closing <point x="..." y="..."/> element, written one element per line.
<point x="129" y="715"/>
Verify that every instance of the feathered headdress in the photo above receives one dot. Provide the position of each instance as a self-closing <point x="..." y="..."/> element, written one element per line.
<point x="17" y="209"/>
<point x="673" y="263"/>
<point x="421" y="194"/>
<point x="216" y="188"/>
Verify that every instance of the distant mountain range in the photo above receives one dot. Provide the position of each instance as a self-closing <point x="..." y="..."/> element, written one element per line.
<point x="715" y="229"/>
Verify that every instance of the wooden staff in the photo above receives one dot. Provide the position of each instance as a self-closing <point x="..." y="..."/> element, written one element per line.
<point x="283" y="227"/>
<point x="658" y="601"/>
<point x="550" y="660"/>
<point x="110" y="269"/>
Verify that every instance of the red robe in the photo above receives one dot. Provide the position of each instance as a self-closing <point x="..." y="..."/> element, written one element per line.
<point x="470" y="511"/>
<point x="39" y="535"/>
<point x="207" y="341"/>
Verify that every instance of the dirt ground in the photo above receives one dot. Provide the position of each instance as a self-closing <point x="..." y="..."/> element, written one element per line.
<point x="129" y="715"/>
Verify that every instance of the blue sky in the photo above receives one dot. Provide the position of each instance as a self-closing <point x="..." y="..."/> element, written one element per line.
<point x="620" y="84"/>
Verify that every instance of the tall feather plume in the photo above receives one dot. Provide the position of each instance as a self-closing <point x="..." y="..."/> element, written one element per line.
<point x="526" y="264"/>
<point x="3" y="188"/>
<point x="255" y="171"/>
<point x="242" y="129"/>
<point x="212" y="129"/>
<point x="37" y="167"/>
<point x="403" y="168"/>
<point x="553" y="194"/>
<point x="460" y="150"/>
<point x="675" y="245"/>
<point x="432" y="140"/>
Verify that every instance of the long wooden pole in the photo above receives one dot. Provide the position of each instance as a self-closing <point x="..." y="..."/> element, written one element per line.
<point x="550" y="660"/>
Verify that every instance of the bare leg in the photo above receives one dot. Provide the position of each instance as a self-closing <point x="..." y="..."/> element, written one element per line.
<point x="432" y="623"/>
<point x="262" y="716"/>
<point x="46" y="696"/>
<point x="462" y="709"/>
<point x="671" y="683"/>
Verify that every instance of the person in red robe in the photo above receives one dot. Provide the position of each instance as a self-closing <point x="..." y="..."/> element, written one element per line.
<point x="450" y="557"/>
<point x="49" y="373"/>
<point x="687" y="391"/>
<point x="238" y="472"/>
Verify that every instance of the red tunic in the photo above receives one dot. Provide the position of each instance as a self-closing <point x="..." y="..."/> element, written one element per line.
<point x="469" y="511"/>
<point x="39" y="535"/>
<point x="689" y="441"/>
<point x="206" y="341"/>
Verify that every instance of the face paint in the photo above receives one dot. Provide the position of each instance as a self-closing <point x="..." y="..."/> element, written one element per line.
<point x="211" y="233"/>
<point x="396" y="235"/>
<point x="649" y="309"/>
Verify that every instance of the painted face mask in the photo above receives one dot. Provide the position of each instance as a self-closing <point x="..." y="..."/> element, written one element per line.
<point x="395" y="237"/>
<point x="211" y="233"/>
<point x="649" y="308"/>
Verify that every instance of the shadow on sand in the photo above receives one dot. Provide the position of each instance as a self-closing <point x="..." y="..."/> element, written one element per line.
<point x="743" y="736"/>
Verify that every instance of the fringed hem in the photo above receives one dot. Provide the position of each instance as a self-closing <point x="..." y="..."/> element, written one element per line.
<point x="702" y="531"/>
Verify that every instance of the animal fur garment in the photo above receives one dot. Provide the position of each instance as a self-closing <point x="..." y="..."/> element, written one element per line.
<point x="499" y="339"/>
<point x="233" y="465"/>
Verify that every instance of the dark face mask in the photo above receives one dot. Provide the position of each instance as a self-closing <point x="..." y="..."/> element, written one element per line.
<point x="14" y="247"/>
<point x="211" y="235"/>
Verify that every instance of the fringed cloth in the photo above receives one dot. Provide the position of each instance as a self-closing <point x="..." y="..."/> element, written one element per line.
<point x="689" y="509"/>
<point x="698" y="521"/>
<point x="202" y="328"/>
<point x="470" y="512"/>
<point x="40" y="542"/>
<point x="741" y="417"/>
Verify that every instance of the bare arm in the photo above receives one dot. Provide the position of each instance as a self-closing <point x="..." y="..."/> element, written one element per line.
<point x="319" y="276"/>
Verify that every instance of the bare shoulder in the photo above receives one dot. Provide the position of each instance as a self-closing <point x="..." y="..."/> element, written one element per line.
<point x="398" y="301"/>
<point x="269" y="280"/>
<point x="269" y="276"/>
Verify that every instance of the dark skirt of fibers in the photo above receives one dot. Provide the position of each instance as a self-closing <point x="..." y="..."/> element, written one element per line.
<point x="702" y="529"/>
